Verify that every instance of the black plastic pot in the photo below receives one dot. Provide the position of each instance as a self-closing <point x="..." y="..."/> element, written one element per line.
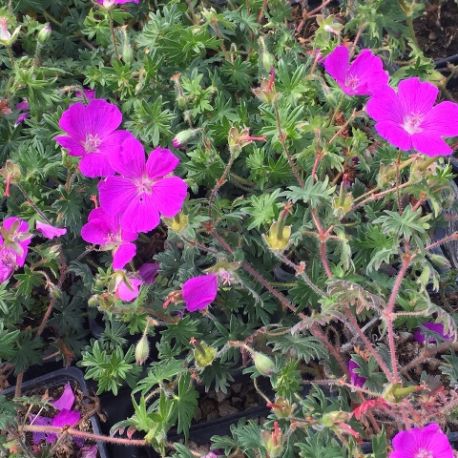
<point x="58" y="378"/>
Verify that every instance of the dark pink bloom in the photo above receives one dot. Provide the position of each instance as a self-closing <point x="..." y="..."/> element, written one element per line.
<point x="7" y="263"/>
<point x="145" y="190"/>
<point x="92" y="135"/>
<point x="364" y="76"/>
<point x="148" y="272"/>
<point x="435" y="329"/>
<point x="23" y="106"/>
<point x="199" y="292"/>
<point x="426" y="442"/>
<point x="16" y="237"/>
<point x="128" y="290"/>
<point x="64" y="417"/>
<point x="66" y="400"/>
<point x="110" y="3"/>
<point x="89" y="451"/>
<point x="176" y="143"/>
<point x="355" y="378"/>
<point x="50" y="232"/>
<point x="408" y="119"/>
<point x="104" y="229"/>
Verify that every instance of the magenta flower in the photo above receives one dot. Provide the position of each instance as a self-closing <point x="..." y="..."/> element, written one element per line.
<point x="104" y="229"/>
<point x="148" y="272"/>
<point x="128" y="290"/>
<point x="145" y="190"/>
<point x="426" y="442"/>
<point x="199" y="292"/>
<point x="364" y="76"/>
<point x="92" y="135"/>
<point x="110" y="3"/>
<point x="7" y="263"/>
<point x="408" y="118"/>
<point x="355" y="378"/>
<point x="16" y="237"/>
<point x="50" y="232"/>
<point x="23" y="105"/>
<point x="436" y="329"/>
<point x="64" y="417"/>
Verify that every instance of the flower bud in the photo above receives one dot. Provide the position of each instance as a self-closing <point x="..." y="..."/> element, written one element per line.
<point x="267" y="60"/>
<point x="127" y="52"/>
<point x="282" y="408"/>
<point x="396" y="392"/>
<point x="331" y="419"/>
<point x="142" y="350"/>
<point x="204" y="355"/>
<point x="183" y="137"/>
<point x="44" y="33"/>
<point x="278" y="237"/>
<point x="273" y="441"/>
<point x="94" y="300"/>
<point x="7" y="38"/>
<point x="264" y="365"/>
<point x="178" y="223"/>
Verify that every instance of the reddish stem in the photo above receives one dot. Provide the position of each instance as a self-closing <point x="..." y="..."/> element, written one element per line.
<point x="84" y="435"/>
<point x="389" y="315"/>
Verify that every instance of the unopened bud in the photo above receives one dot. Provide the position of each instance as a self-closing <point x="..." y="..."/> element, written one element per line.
<point x="183" y="137"/>
<point x="396" y="392"/>
<point x="273" y="441"/>
<point x="282" y="408"/>
<point x="204" y="355"/>
<point x="331" y="419"/>
<point x="44" y="33"/>
<point x="7" y="38"/>
<point x="94" y="300"/>
<point x="127" y="52"/>
<point x="142" y="350"/>
<point x="278" y="237"/>
<point x="267" y="60"/>
<point x="264" y="365"/>
<point x="178" y="223"/>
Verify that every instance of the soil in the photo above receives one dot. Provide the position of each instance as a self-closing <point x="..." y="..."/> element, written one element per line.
<point x="66" y="448"/>
<point x="436" y="29"/>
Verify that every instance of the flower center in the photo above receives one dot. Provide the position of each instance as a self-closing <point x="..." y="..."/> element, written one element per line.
<point x="412" y="123"/>
<point x="92" y="143"/>
<point x="422" y="453"/>
<point x="352" y="81"/>
<point x="144" y="185"/>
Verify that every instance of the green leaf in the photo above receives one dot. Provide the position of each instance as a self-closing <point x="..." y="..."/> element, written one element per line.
<point x="160" y="372"/>
<point x="380" y="445"/>
<point x="185" y="403"/>
<point x="312" y="193"/>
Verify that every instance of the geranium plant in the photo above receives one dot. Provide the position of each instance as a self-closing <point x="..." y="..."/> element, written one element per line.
<point x="234" y="196"/>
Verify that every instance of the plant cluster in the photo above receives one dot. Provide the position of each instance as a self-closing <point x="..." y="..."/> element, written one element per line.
<point x="283" y="223"/>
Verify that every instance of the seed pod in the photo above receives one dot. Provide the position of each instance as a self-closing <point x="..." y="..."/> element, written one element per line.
<point x="142" y="350"/>
<point x="264" y="365"/>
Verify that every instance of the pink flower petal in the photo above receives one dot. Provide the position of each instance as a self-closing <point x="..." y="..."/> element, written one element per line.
<point x="49" y="231"/>
<point x="369" y="71"/>
<point x="161" y="162"/>
<point x="95" y="165"/>
<point x="123" y="254"/>
<point x="128" y="292"/>
<point x="394" y="134"/>
<point x="148" y="272"/>
<point x="116" y="193"/>
<point x="169" y="195"/>
<point x="129" y="158"/>
<point x="337" y="63"/>
<point x="96" y="230"/>
<point x="37" y="438"/>
<point x="141" y="214"/>
<point x="385" y="106"/>
<point x="430" y="144"/>
<point x="410" y="443"/>
<point x="416" y="96"/>
<point x="89" y="451"/>
<point x="443" y="119"/>
<point x="73" y="147"/>
<point x="199" y="292"/>
<point x="66" y="418"/>
<point x="66" y="400"/>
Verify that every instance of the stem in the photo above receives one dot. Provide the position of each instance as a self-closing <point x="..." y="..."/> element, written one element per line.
<point x="378" y="195"/>
<point x="282" y="138"/>
<point x="220" y="182"/>
<point x="448" y="238"/>
<point x="113" y="36"/>
<point x="368" y="344"/>
<point x="84" y="435"/>
<point x="388" y="314"/>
